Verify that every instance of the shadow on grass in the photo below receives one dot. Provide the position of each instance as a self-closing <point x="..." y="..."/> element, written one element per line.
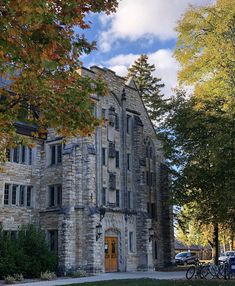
<point x="153" y="282"/>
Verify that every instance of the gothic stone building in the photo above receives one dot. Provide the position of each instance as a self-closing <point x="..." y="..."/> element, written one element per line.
<point x="103" y="201"/>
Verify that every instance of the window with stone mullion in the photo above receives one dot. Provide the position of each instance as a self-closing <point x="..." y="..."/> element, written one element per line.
<point x="21" y="154"/>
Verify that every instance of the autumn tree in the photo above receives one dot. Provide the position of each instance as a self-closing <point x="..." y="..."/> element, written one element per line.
<point x="148" y="85"/>
<point x="199" y="130"/>
<point x="39" y="62"/>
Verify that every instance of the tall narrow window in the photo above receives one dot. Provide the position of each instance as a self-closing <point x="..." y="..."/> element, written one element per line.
<point x="23" y="154"/>
<point x="29" y="196"/>
<point x="155" y="250"/>
<point x="16" y="155"/>
<point x="117" y="159"/>
<point x="59" y="153"/>
<point x="51" y="196"/>
<point x="59" y="195"/>
<point x="6" y="194"/>
<point x="53" y="240"/>
<point x="131" y="242"/>
<point x="128" y="124"/>
<point x="128" y="161"/>
<point x="53" y="154"/>
<point x="13" y="194"/>
<point x="30" y="152"/>
<point x="103" y="196"/>
<point x="55" y="196"/>
<point x="56" y="154"/>
<point x="116" y="121"/>
<point x="117" y="198"/>
<point x="22" y="196"/>
<point x="103" y="156"/>
<point x="129" y="200"/>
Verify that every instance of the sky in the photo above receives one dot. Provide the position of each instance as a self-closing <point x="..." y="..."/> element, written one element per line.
<point x="139" y="27"/>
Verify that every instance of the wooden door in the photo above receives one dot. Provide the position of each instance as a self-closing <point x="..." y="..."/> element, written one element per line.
<point x="111" y="254"/>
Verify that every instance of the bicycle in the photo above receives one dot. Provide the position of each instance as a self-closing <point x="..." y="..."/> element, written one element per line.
<point x="199" y="270"/>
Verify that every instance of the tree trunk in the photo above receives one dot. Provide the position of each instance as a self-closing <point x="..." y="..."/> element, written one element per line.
<point x="215" y="248"/>
<point x="231" y="241"/>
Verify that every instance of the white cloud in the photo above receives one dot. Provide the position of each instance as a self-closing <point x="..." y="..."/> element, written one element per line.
<point x="166" y="67"/>
<point x="136" y="19"/>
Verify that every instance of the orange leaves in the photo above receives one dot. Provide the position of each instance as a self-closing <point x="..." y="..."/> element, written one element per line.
<point x="39" y="57"/>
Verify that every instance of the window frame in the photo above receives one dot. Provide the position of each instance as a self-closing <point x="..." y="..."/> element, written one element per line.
<point x="55" y="154"/>
<point x="13" y="195"/>
<point x="131" y="242"/>
<point x="54" y="199"/>
<point x="21" y="154"/>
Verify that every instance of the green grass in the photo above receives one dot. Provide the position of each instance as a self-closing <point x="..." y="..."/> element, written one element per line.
<point x="153" y="282"/>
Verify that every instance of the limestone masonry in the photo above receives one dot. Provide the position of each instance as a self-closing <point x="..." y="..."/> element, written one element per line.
<point x="102" y="200"/>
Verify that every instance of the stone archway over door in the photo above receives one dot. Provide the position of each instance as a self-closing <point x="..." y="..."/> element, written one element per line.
<point x="111" y="254"/>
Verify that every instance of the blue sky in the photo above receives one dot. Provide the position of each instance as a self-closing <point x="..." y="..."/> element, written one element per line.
<point x="139" y="26"/>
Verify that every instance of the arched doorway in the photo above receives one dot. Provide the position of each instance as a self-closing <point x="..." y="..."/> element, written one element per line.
<point x="112" y="250"/>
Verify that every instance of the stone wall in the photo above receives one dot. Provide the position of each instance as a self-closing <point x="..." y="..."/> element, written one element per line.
<point x="83" y="177"/>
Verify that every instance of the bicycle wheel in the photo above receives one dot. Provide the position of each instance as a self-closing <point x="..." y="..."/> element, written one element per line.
<point x="205" y="272"/>
<point x="190" y="272"/>
<point x="227" y="274"/>
<point x="221" y="273"/>
<point x="214" y="271"/>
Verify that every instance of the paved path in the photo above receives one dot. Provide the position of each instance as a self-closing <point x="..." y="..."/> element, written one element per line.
<point x="111" y="276"/>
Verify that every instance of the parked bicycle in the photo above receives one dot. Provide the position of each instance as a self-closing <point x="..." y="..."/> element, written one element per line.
<point x="198" y="271"/>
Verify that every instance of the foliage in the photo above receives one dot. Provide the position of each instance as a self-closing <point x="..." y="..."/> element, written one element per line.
<point x="199" y="130"/>
<point x="40" y="52"/>
<point x="191" y="232"/>
<point x="27" y="254"/>
<point x="79" y="273"/>
<point x="48" y="275"/>
<point x="205" y="50"/>
<point x="9" y="279"/>
<point x="18" y="277"/>
<point x="148" y="85"/>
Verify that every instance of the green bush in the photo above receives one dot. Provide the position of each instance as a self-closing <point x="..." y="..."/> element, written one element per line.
<point x="27" y="254"/>
<point x="9" y="279"/>
<point x="48" y="275"/>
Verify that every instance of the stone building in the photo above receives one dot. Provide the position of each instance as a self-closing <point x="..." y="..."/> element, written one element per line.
<point x="102" y="200"/>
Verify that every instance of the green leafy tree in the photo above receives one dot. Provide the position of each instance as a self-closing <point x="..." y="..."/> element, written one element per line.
<point x="148" y="85"/>
<point x="39" y="66"/>
<point x="200" y="129"/>
<point x="200" y="147"/>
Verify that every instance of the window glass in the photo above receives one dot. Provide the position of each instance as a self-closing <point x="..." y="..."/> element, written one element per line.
<point x="103" y="156"/>
<point x="6" y="194"/>
<point x="13" y="194"/>
<point x="55" y="196"/>
<point x="131" y="241"/>
<point x="117" y="198"/>
<point x="117" y="159"/>
<point x="22" y="195"/>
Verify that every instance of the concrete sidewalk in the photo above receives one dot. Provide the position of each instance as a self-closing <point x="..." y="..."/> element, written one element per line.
<point x="110" y="276"/>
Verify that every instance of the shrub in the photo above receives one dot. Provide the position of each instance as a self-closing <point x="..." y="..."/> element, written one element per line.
<point x="48" y="275"/>
<point x="79" y="273"/>
<point x="9" y="279"/>
<point x="18" y="277"/>
<point x="27" y="254"/>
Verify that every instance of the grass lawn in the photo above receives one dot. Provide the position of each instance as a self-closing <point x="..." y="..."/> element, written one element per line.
<point x="152" y="282"/>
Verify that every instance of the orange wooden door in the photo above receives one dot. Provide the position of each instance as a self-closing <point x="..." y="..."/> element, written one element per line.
<point x="111" y="254"/>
